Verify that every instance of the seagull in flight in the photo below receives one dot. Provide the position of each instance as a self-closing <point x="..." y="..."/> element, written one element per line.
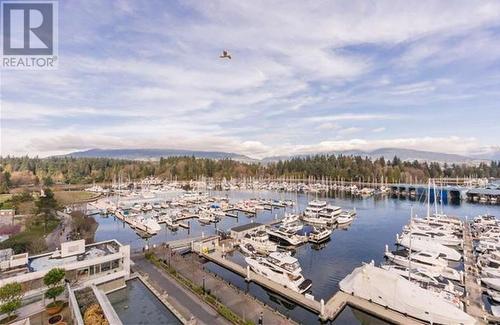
<point x="225" y="54"/>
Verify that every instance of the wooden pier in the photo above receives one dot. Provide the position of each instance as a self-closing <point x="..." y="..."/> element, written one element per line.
<point x="328" y="311"/>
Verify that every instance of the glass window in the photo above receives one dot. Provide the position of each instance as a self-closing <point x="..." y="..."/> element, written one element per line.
<point x="105" y="266"/>
<point x="83" y="273"/>
<point x="115" y="264"/>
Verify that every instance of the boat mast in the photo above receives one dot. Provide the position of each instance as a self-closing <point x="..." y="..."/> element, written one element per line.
<point x="409" y="254"/>
<point x="428" y="198"/>
<point x="435" y="197"/>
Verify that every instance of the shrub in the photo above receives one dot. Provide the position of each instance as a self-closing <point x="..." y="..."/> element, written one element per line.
<point x="53" y="279"/>
<point x="11" y="298"/>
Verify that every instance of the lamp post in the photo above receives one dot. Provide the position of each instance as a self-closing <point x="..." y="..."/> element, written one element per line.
<point x="203" y="284"/>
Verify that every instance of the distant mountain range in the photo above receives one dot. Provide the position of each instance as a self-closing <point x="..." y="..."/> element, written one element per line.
<point x="403" y="154"/>
<point x="154" y="154"/>
<point x="387" y="153"/>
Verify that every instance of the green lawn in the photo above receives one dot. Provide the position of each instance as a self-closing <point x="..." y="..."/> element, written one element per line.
<point x="72" y="197"/>
<point x="4" y="197"/>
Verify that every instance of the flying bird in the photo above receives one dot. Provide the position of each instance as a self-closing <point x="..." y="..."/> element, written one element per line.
<point x="225" y="54"/>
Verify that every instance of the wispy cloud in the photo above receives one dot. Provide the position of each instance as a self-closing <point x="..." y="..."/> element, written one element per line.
<point x="304" y="76"/>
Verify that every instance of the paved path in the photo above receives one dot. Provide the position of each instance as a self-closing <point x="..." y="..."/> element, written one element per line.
<point x="187" y="303"/>
<point x="243" y="304"/>
<point x="59" y="234"/>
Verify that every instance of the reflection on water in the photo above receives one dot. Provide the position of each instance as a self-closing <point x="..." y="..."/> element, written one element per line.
<point x="350" y="316"/>
<point x="136" y="304"/>
<point x="377" y="223"/>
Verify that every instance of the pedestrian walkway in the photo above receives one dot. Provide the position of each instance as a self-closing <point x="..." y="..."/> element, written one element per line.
<point x="241" y="303"/>
<point x="187" y="303"/>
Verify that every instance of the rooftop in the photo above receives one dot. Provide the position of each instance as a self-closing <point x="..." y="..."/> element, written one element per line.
<point x="73" y="251"/>
<point x="484" y="191"/>
<point x="247" y="226"/>
<point x="51" y="260"/>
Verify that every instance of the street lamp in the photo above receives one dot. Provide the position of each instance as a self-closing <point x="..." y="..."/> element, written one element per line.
<point x="203" y="284"/>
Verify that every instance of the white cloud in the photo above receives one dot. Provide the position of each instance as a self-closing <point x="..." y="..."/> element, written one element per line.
<point x="298" y="69"/>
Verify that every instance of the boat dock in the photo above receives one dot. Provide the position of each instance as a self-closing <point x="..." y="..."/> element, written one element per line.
<point x="326" y="311"/>
<point x="228" y="211"/>
<point x="473" y="300"/>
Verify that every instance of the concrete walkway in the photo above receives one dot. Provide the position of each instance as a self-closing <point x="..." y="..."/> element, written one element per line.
<point x="59" y="235"/>
<point x="243" y="304"/>
<point x="187" y="303"/>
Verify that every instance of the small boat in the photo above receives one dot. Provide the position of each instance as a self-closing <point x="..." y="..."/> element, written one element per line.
<point x="319" y="235"/>
<point x="494" y="295"/>
<point x="286" y="237"/>
<point x="344" y="218"/>
<point x="493" y="283"/>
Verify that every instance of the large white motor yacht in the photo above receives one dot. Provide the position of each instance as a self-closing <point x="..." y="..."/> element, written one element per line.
<point x="285" y="236"/>
<point x="429" y="246"/>
<point x="260" y="242"/>
<point x="393" y="291"/>
<point x="281" y="268"/>
<point x="423" y="260"/>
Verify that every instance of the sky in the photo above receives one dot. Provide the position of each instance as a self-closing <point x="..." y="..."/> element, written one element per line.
<point x="305" y="77"/>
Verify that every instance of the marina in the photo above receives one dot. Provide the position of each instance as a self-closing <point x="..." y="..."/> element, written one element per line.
<point x="371" y="215"/>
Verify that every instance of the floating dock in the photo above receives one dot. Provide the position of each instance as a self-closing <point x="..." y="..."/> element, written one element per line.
<point x="473" y="300"/>
<point x="328" y="311"/>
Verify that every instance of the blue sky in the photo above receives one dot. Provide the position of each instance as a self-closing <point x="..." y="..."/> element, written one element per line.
<point x="305" y="77"/>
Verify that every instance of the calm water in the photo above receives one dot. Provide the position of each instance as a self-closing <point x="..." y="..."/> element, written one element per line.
<point x="377" y="223"/>
<point x="137" y="305"/>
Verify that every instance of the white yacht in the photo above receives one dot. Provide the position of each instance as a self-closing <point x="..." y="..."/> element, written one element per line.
<point x="494" y="295"/>
<point x="260" y="242"/>
<point x="429" y="236"/>
<point x="314" y="207"/>
<point x="280" y="268"/>
<point x="423" y="260"/>
<point x="319" y="235"/>
<point x="485" y="220"/>
<point x="429" y="246"/>
<point x="493" y="283"/>
<point x="330" y="213"/>
<point x="206" y="216"/>
<point x="393" y="291"/>
<point x="148" y="225"/>
<point x="285" y="236"/>
<point x="344" y="218"/>
<point x="426" y="278"/>
<point x="443" y="219"/>
<point x="292" y="222"/>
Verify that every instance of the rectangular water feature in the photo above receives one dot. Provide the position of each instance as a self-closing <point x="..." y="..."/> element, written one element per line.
<point x="137" y="305"/>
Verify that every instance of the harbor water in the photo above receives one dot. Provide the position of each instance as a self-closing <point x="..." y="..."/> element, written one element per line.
<point x="378" y="221"/>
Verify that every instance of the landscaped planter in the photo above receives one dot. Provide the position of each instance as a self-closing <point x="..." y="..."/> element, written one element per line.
<point x="54" y="307"/>
<point x="7" y="320"/>
<point x="56" y="319"/>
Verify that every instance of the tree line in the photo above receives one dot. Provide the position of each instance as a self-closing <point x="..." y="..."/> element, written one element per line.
<point x="19" y="171"/>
